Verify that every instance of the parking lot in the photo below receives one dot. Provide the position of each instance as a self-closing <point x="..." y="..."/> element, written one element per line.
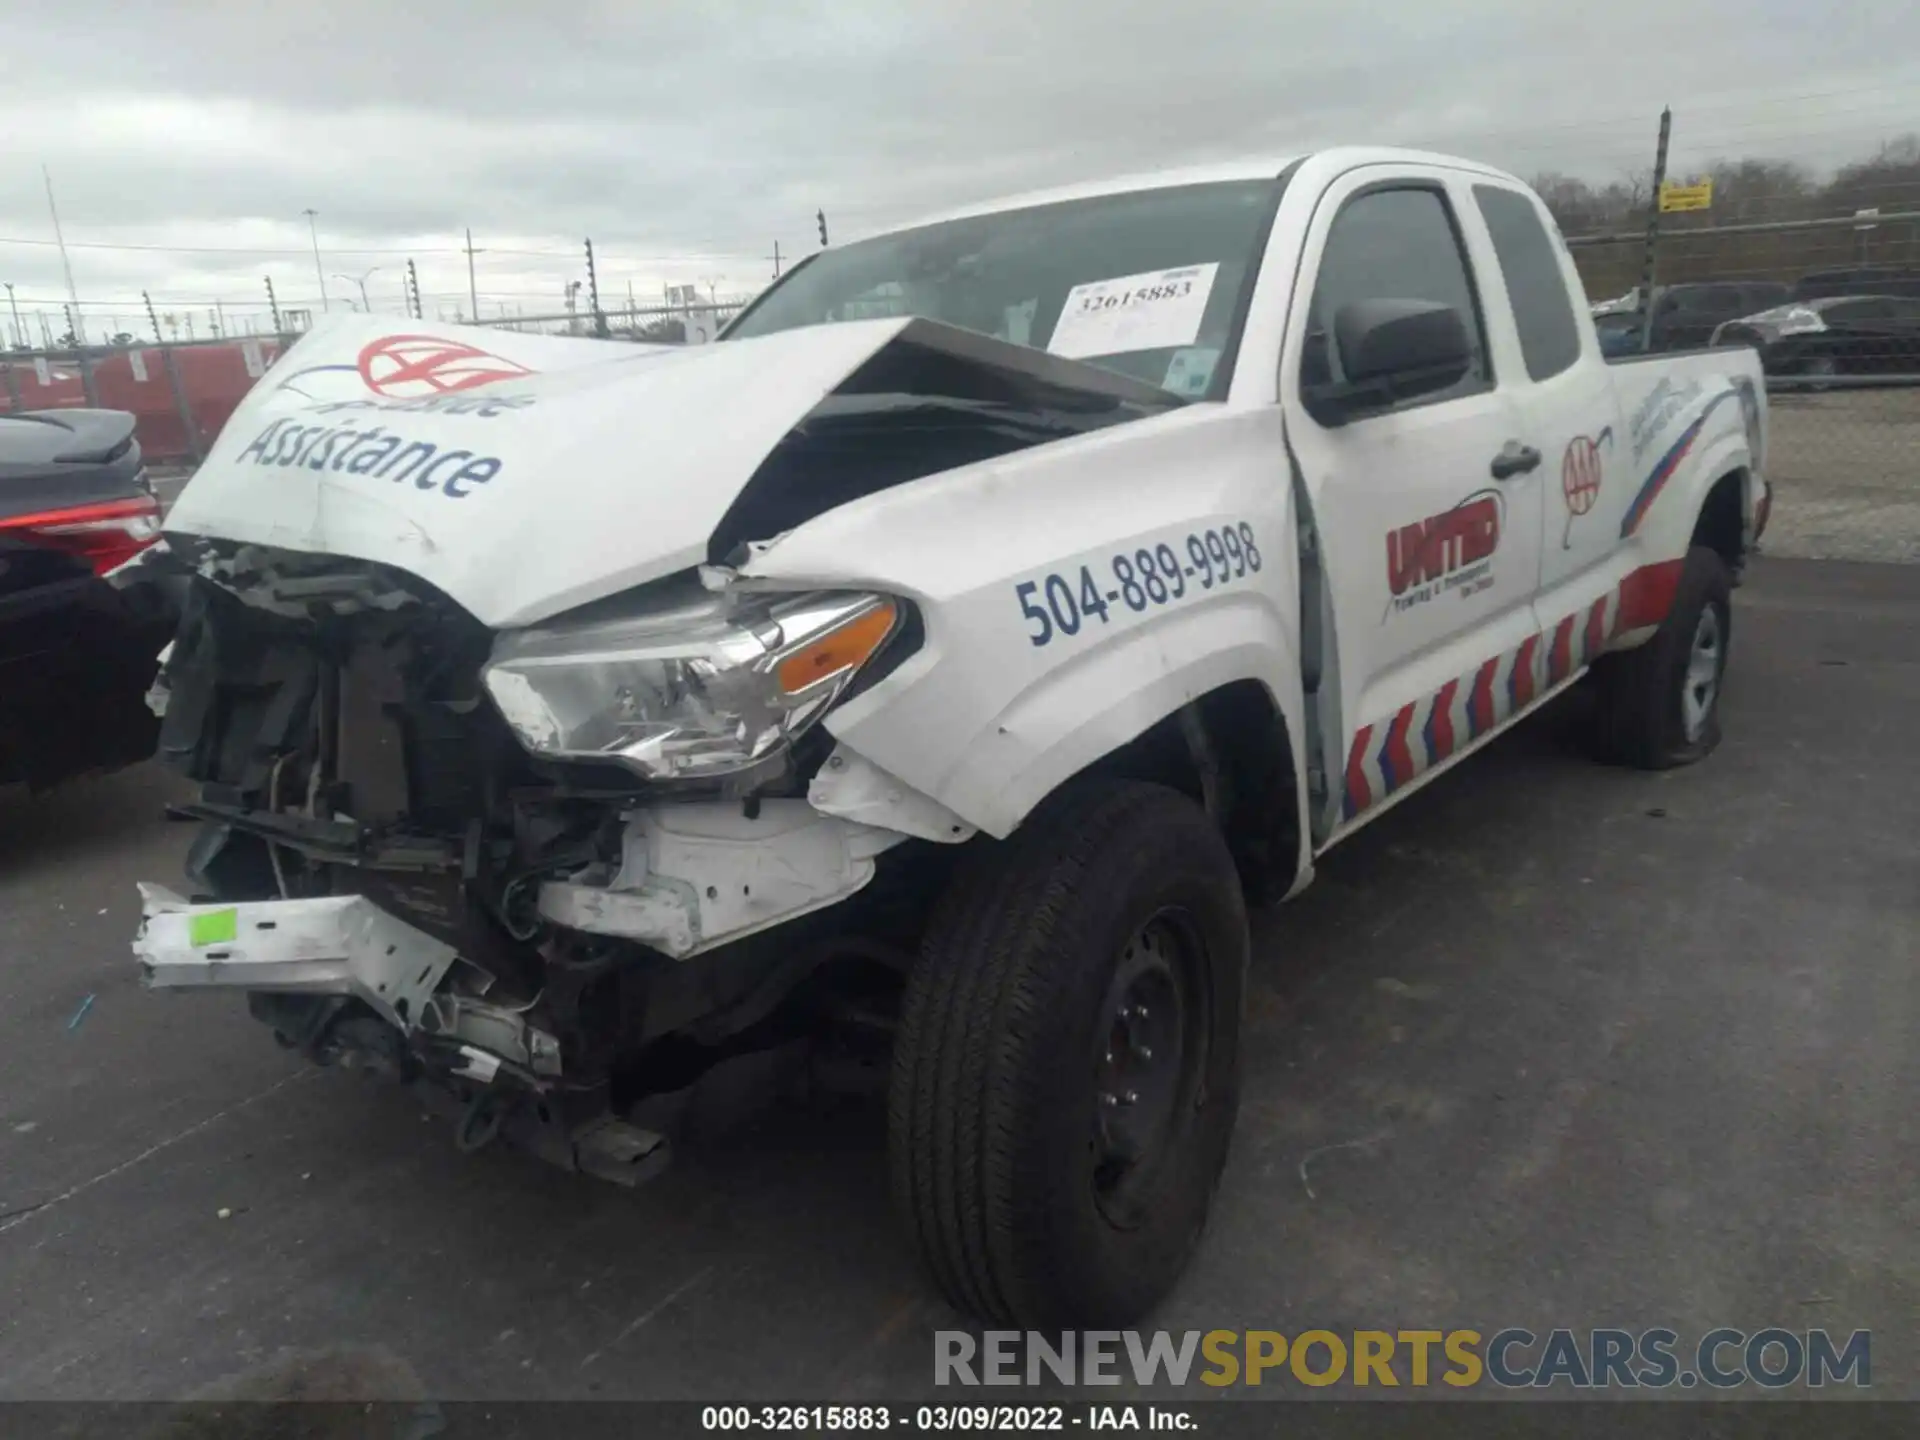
<point x="1549" y="1045"/>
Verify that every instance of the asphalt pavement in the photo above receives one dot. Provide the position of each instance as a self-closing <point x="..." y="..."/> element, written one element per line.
<point x="1548" y="1045"/>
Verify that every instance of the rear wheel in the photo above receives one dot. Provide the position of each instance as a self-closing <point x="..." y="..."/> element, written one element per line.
<point x="1659" y="704"/>
<point x="1067" y="1067"/>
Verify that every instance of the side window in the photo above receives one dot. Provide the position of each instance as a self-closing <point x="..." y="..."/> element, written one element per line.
<point x="1549" y="335"/>
<point x="1851" y="312"/>
<point x="1397" y="244"/>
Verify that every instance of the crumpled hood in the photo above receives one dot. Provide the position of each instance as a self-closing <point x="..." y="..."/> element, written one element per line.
<point x="521" y="475"/>
<point x="525" y="475"/>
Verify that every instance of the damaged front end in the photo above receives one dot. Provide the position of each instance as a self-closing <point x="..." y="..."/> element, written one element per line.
<point x="513" y="778"/>
<point x="481" y="861"/>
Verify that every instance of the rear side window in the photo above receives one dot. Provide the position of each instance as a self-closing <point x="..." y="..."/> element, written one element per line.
<point x="1549" y="337"/>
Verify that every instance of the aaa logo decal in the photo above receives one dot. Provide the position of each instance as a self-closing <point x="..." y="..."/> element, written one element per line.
<point x="1582" y="469"/>
<point x="409" y="367"/>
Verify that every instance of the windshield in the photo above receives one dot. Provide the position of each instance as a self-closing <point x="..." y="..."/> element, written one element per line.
<point x="1151" y="283"/>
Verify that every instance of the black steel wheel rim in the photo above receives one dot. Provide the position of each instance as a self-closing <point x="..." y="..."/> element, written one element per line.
<point x="1151" y="1062"/>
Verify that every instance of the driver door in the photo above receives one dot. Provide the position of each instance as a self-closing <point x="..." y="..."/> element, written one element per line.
<point x="1432" y="561"/>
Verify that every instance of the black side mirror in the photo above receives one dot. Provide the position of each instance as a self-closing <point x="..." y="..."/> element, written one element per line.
<point x="1390" y="351"/>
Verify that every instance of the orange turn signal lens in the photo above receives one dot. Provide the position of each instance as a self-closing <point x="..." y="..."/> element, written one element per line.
<point x="836" y="652"/>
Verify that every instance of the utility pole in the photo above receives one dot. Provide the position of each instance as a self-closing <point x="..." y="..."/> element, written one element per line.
<point x="821" y="216"/>
<point x="413" y="289"/>
<point x="473" y="289"/>
<point x="776" y="259"/>
<point x="71" y="329"/>
<point x="65" y="264"/>
<point x="593" y="295"/>
<point x="1653" y="230"/>
<point x="19" y="335"/>
<point x="272" y="304"/>
<point x="154" y="320"/>
<point x="220" y="317"/>
<point x="313" y="229"/>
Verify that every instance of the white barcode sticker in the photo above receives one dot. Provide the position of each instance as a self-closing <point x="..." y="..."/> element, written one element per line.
<point x="1156" y="310"/>
<point x="138" y="359"/>
<point x="250" y="352"/>
<point x="41" y="370"/>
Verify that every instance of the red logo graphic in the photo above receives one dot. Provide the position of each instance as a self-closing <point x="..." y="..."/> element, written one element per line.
<point x="1432" y="549"/>
<point x="409" y="367"/>
<point x="1582" y="469"/>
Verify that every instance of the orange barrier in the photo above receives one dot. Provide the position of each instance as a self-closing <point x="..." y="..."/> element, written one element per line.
<point x="214" y="379"/>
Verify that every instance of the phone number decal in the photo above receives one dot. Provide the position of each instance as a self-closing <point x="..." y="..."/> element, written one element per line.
<point x="1062" y="603"/>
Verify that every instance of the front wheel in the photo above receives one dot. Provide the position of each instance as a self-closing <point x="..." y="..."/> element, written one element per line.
<point x="1658" y="705"/>
<point x="1067" y="1067"/>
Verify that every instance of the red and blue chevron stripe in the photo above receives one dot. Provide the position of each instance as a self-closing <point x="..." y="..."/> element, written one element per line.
<point x="1389" y="754"/>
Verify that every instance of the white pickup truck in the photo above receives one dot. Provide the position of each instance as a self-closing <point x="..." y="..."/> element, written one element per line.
<point x="938" y="664"/>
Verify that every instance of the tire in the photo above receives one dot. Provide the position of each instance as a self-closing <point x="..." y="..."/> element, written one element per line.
<point x="1658" y="705"/>
<point x="1029" y="1003"/>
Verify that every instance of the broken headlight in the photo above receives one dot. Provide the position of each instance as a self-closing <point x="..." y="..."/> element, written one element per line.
<point x="702" y="687"/>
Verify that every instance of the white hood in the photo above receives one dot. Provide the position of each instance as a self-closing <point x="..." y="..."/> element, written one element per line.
<point x="521" y="475"/>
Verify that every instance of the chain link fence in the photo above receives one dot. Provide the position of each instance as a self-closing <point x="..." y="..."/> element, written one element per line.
<point x="1832" y="306"/>
<point x="181" y="393"/>
<point x="692" y="324"/>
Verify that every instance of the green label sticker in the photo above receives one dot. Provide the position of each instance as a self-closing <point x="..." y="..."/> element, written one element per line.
<point x="211" y="927"/>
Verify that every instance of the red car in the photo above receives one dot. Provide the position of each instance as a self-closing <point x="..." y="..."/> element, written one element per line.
<point x="78" y="651"/>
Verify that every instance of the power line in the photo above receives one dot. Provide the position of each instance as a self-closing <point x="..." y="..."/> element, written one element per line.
<point x="303" y="254"/>
<point x="1735" y="135"/>
<point x="1770" y="101"/>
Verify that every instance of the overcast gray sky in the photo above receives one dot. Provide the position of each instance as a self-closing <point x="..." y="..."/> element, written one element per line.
<point x="686" y="138"/>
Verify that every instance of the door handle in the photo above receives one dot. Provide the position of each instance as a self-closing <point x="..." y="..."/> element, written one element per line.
<point x="1514" y="459"/>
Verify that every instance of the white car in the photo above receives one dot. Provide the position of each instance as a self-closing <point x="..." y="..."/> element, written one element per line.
<point x="569" y="717"/>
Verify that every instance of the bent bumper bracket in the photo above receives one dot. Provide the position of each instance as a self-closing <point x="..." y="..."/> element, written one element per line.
<point x="330" y="945"/>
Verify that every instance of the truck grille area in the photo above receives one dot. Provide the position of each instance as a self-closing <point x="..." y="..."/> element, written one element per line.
<point x="389" y="706"/>
<point x="357" y="753"/>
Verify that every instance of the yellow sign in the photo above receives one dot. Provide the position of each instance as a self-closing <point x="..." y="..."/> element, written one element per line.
<point x="1698" y="196"/>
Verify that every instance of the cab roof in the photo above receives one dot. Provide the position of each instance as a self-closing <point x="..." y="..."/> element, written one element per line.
<point x="1251" y="168"/>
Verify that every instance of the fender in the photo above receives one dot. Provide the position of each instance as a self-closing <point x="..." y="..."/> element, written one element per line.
<point x="985" y="720"/>
<point x="1719" y="436"/>
<point x="1674" y="487"/>
<point x="1083" y="712"/>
